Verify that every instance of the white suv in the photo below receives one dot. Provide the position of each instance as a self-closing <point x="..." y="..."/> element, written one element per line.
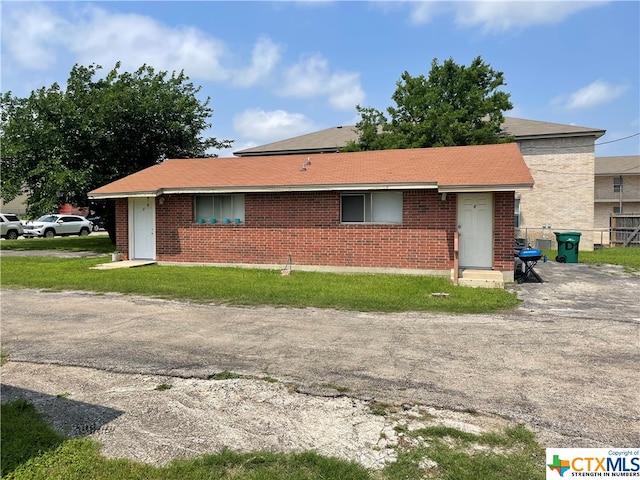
<point x="49" y="226"/>
<point x="10" y="226"/>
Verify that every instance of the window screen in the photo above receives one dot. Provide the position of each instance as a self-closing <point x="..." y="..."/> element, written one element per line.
<point x="373" y="207"/>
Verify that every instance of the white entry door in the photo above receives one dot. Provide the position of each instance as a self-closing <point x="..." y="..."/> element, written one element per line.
<point x="475" y="226"/>
<point x="142" y="226"/>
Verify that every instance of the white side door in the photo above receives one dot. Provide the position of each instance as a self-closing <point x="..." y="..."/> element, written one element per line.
<point x="64" y="226"/>
<point x="475" y="226"/>
<point x="142" y="227"/>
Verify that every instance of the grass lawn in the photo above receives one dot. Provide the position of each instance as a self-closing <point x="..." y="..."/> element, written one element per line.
<point x="239" y="286"/>
<point x="628" y="257"/>
<point x="92" y="243"/>
<point x="32" y="450"/>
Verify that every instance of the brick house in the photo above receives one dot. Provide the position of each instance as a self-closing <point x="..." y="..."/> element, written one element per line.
<point x="391" y="210"/>
<point x="561" y="159"/>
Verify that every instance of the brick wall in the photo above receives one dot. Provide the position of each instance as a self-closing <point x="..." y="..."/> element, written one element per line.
<point x="122" y="227"/>
<point x="307" y="226"/>
<point x="503" y="228"/>
<point x="563" y="170"/>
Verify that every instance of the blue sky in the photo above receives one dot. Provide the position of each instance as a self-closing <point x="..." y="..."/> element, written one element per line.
<point x="275" y="70"/>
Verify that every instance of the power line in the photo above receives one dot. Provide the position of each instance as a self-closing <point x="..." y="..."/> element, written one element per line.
<point x="619" y="139"/>
<point x="534" y="169"/>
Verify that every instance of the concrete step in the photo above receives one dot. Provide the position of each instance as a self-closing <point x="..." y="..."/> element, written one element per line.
<point x="123" y="264"/>
<point x="481" y="279"/>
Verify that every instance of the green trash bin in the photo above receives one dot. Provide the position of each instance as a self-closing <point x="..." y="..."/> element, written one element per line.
<point x="568" y="243"/>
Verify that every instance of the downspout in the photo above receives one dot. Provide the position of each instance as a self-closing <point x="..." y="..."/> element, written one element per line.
<point x="455" y="257"/>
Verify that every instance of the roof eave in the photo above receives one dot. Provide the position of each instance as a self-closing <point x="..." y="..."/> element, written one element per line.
<point x="295" y="151"/>
<point x="267" y="189"/>
<point x="314" y="188"/>
<point x="301" y="188"/>
<point x="484" y="188"/>
<point x="592" y="133"/>
<point x="113" y="195"/>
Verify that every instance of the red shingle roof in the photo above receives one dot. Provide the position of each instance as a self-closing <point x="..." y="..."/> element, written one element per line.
<point x="480" y="168"/>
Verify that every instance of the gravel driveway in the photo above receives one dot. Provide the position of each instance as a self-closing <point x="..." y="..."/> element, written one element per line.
<point x="565" y="363"/>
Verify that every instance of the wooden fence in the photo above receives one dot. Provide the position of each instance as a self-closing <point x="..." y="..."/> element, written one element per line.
<point x="625" y="230"/>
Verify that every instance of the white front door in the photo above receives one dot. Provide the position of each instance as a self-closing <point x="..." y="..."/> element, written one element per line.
<point x="142" y="226"/>
<point x="475" y="226"/>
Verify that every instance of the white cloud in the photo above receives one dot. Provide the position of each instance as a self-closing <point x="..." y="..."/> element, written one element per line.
<point x="424" y="12"/>
<point x="345" y="91"/>
<point x="502" y="15"/>
<point x="103" y="37"/>
<point x="271" y="126"/>
<point x="594" y="94"/>
<point x="34" y="36"/>
<point x="32" y="39"/>
<point x="311" y="77"/>
<point x="266" y="55"/>
<point x="499" y="15"/>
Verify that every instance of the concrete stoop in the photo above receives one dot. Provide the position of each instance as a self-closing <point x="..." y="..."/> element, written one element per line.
<point x="123" y="264"/>
<point x="481" y="279"/>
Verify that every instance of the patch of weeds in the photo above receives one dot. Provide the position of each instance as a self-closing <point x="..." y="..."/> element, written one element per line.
<point x="424" y="415"/>
<point x="229" y="375"/>
<point x="438" y="431"/>
<point x="4" y="356"/>
<point x="509" y="454"/>
<point x="401" y="428"/>
<point x="407" y="465"/>
<point x="470" y="410"/>
<point x="225" y="375"/>
<point x="63" y="395"/>
<point x="335" y="387"/>
<point x="508" y="438"/>
<point x="379" y="408"/>
<point x="162" y="387"/>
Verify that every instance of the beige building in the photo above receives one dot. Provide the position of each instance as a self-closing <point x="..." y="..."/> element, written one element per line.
<point x="617" y="188"/>
<point x="561" y="159"/>
<point x="18" y="205"/>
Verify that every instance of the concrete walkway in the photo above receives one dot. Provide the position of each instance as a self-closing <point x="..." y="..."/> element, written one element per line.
<point x="124" y="264"/>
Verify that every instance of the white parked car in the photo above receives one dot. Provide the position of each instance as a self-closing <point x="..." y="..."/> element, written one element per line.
<point x="10" y="226"/>
<point x="49" y="226"/>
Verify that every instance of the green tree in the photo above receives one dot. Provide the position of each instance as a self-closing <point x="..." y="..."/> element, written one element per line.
<point x="454" y="105"/>
<point x="59" y="144"/>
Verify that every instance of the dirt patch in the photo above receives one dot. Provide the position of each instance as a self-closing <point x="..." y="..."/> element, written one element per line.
<point x="132" y="418"/>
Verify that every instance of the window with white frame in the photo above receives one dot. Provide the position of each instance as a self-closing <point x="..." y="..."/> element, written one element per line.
<point x="517" y="213"/>
<point x="371" y="207"/>
<point x="617" y="184"/>
<point x="219" y="208"/>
